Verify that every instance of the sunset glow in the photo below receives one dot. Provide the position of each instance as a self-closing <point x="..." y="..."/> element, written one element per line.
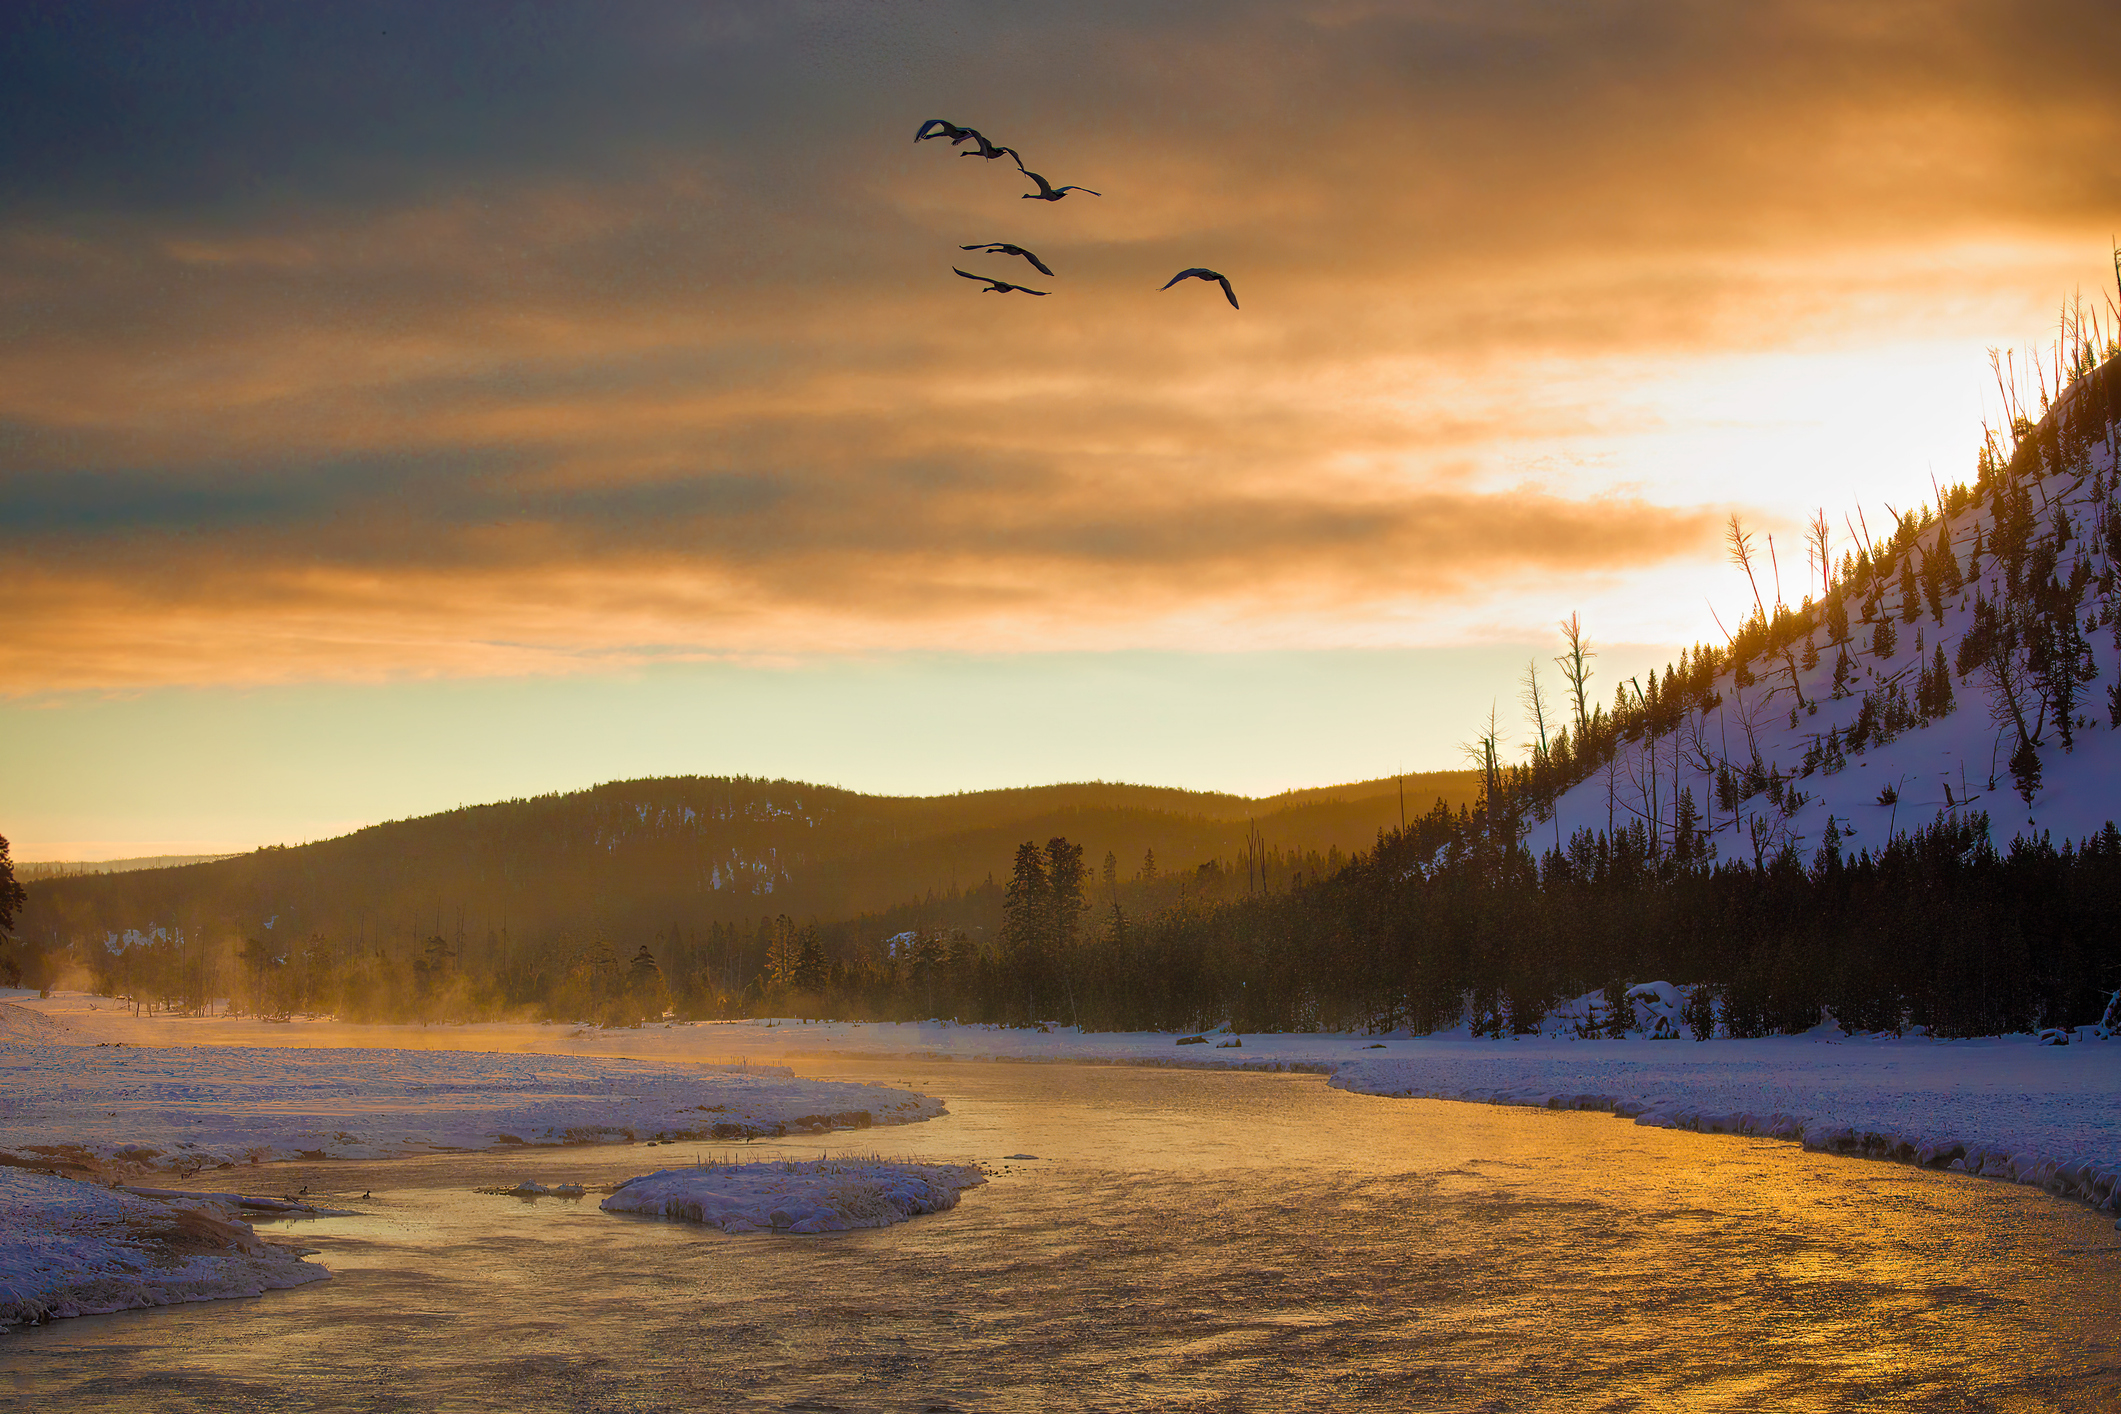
<point x="638" y="343"/>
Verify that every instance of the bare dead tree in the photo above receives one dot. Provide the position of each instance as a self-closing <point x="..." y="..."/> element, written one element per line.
<point x="1738" y="541"/>
<point x="1534" y="698"/>
<point x="1575" y="665"/>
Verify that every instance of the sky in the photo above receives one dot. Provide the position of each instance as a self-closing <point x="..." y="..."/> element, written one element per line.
<point x="405" y="405"/>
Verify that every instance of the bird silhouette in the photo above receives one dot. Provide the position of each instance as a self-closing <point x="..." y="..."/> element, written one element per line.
<point x="945" y="128"/>
<point x="999" y="248"/>
<point x="989" y="151"/>
<point x="1047" y="191"/>
<point x="1202" y="272"/>
<point x="999" y="287"/>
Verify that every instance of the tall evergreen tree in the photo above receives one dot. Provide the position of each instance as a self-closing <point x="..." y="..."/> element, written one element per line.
<point x="12" y="897"/>
<point x="810" y="971"/>
<point x="1027" y="925"/>
<point x="1064" y="893"/>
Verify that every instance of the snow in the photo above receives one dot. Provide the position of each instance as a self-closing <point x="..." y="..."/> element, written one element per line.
<point x="797" y="1198"/>
<point x="23" y="1027"/>
<point x="1949" y="766"/>
<point x="2007" y="1108"/>
<point x="69" y="1248"/>
<point x="121" y="1107"/>
<point x="2003" y="1096"/>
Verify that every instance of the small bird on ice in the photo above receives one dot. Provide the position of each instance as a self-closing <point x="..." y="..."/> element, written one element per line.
<point x="999" y="287"/>
<point x="1202" y="272"/>
<point x="1047" y="191"/>
<point x="999" y="248"/>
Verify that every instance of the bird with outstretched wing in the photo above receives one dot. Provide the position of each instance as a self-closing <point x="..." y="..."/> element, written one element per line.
<point x="1202" y="272"/>
<point x="1002" y="248"/>
<point x="1049" y="192"/>
<point x="1000" y="287"/>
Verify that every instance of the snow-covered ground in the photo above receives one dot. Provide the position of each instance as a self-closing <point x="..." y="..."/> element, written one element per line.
<point x="822" y="1195"/>
<point x="115" y="1107"/>
<point x="69" y="1248"/>
<point x="2002" y="1097"/>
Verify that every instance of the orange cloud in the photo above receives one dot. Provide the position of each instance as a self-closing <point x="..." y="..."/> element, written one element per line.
<point x="720" y="394"/>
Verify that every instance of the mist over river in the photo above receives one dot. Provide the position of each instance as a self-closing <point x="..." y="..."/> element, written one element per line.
<point x="1185" y="1240"/>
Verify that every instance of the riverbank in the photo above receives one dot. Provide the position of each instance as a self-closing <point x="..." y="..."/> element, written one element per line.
<point x="113" y="1108"/>
<point x="72" y="1248"/>
<point x="2006" y="1107"/>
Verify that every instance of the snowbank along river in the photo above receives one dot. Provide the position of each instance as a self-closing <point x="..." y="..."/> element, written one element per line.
<point x="1182" y="1240"/>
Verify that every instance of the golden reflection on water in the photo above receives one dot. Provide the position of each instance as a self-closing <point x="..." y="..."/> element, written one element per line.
<point x="1185" y="1240"/>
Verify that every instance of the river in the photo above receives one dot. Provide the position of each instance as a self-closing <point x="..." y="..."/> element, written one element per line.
<point x="1184" y="1240"/>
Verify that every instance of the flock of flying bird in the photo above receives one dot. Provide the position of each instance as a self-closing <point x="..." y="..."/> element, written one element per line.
<point x="943" y="127"/>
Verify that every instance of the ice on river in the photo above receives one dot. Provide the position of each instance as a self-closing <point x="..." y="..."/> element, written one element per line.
<point x="70" y="1248"/>
<point x="825" y="1195"/>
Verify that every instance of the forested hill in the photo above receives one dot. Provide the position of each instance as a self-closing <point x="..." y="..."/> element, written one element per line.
<point x="1966" y="659"/>
<point x="1888" y="802"/>
<point x="630" y="861"/>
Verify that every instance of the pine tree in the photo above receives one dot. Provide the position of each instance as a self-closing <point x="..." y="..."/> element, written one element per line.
<point x="12" y="899"/>
<point x="1064" y="893"/>
<point x="1027" y="907"/>
<point x="1700" y="1011"/>
<point x="810" y="962"/>
<point x="1910" y="592"/>
<point x="1620" y="1011"/>
<point x="2025" y="769"/>
<point x="644" y="983"/>
<point x="1027" y="926"/>
<point x="783" y="950"/>
<point x="1885" y="639"/>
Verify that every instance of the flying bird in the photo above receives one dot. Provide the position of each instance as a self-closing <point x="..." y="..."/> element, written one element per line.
<point x="1201" y="272"/>
<point x="944" y="128"/>
<point x="987" y="149"/>
<point x="998" y="248"/>
<point x="999" y="287"/>
<point x="1046" y="190"/>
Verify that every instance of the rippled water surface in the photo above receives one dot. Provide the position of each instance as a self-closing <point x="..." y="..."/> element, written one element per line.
<point x="1186" y="1240"/>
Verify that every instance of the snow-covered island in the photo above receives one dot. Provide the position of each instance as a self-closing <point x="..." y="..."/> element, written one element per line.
<point x="796" y="1197"/>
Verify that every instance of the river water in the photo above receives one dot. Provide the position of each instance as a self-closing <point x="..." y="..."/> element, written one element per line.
<point x="1185" y="1240"/>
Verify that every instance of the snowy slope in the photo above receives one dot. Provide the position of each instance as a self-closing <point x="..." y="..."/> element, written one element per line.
<point x="1950" y="765"/>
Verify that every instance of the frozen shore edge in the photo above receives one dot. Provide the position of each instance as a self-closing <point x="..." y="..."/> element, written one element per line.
<point x="2093" y="1181"/>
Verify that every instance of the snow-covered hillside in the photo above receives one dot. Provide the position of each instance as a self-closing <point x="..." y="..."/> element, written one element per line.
<point x="1848" y="727"/>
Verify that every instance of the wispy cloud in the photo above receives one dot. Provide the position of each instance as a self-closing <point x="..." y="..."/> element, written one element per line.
<point x="329" y="353"/>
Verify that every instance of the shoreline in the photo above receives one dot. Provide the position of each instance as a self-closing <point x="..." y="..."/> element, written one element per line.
<point x="2004" y="1108"/>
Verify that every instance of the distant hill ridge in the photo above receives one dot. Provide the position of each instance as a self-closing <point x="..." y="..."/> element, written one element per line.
<point x="635" y="858"/>
<point x="63" y="868"/>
